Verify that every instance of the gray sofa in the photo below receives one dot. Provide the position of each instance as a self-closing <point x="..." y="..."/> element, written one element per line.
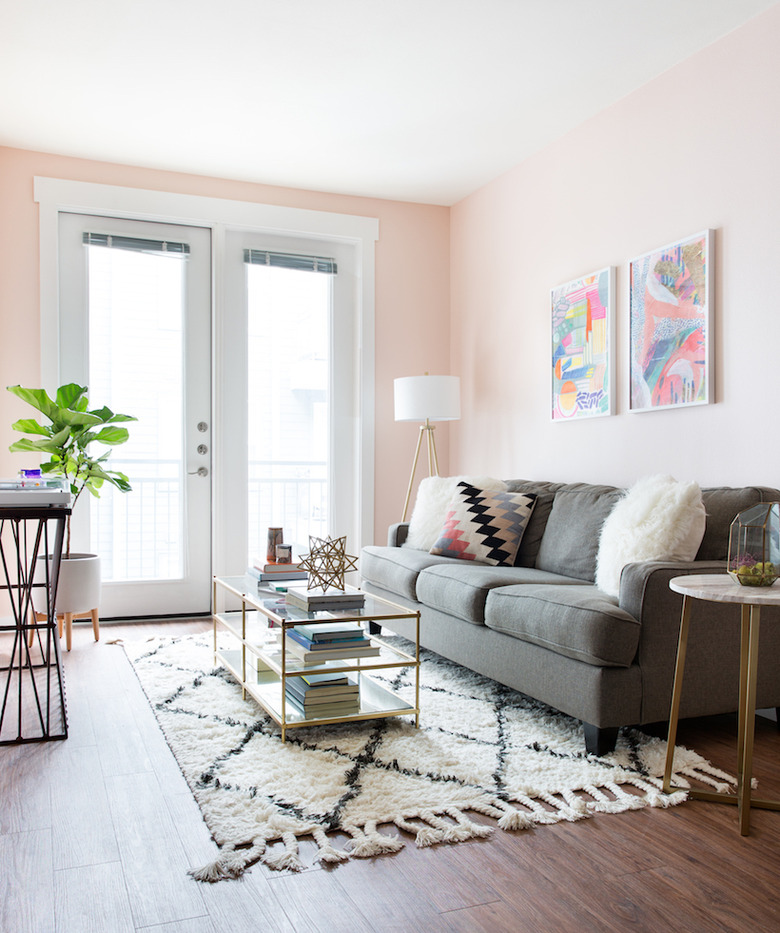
<point x="544" y="629"/>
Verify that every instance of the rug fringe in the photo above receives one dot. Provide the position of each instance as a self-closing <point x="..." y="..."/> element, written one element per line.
<point x="568" y="809"/>
<point x="452" y="825"/>
<point x="289" y="858"/>
<point x="368" y="842"/>
<point x="514" y="819"/>
<point x="231" y="863"/>
<point x="722" y="782"/>
<point x="466" y="828"/>
<point x="327" y="853"/>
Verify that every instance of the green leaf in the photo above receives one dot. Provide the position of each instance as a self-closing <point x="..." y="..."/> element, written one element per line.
<point x="60" y="439"/>
<point x="31" y="426"/>
<point x="77" y="418"/>
<point x="38" y="398"/>
<point x="112" y="435"/>
<point x="121" y="482"/>
<point x="107" y="416"/>
<point x="45" y="445"/>
<point x="69" y="394"/>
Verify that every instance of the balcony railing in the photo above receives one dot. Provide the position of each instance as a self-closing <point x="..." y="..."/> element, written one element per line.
<point x="140" y="536"/>
<point x="290" y="494"/>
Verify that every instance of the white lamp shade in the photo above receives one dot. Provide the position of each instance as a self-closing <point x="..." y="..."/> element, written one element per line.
<point x="436" y="398"/>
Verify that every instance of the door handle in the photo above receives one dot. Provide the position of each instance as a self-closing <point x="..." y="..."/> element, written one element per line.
<point x="201" y="471"/>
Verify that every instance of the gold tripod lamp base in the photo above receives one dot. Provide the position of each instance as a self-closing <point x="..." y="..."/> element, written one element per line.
<point x="433" y="461"/>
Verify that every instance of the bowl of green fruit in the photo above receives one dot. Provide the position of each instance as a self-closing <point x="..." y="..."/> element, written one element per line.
<point x="754" y="573"/>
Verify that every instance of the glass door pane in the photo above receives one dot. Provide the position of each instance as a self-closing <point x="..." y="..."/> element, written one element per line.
<point x="289" y="378"/>
<point x="136" y="333"/>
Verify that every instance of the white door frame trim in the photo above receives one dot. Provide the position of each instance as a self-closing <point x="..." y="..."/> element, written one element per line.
<point x="56" y="195"/>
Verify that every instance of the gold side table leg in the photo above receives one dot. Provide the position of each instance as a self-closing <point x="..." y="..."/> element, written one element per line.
<point x="744" y="653"/>
<point x="747" y="715"/>
<point x="674" y="713"/>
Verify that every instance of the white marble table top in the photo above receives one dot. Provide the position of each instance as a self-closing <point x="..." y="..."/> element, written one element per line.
<point x="721" y="588"/>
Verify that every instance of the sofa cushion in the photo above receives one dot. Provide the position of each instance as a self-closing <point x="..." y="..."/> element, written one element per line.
<point x="395" y="568"/>
<point x="461" y="590"/>
<point x="434" y="495"/>
<point x="534" y="532"/>
<point x="578" y="621"/>
<point x="571" y="538"/>
<point x="723" y="504"/>
<point x="657" y="519"/>
<point x="484" y="525"/>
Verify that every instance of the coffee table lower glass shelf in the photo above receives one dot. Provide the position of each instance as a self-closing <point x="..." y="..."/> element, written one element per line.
<point x="249" y="641"/>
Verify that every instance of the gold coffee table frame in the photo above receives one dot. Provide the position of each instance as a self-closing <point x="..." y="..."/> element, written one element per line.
<point x="721" y="588"/>
<point x="261" y="666"/>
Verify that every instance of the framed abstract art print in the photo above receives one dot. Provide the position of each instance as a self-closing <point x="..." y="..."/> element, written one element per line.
<point x="670" y="305"/>
<point x="582" y="316"/>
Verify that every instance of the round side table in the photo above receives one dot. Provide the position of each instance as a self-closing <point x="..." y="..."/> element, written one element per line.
<point x="720" y="588"/>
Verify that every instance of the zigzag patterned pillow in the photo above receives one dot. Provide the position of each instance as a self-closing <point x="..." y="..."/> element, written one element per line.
<point x="485" y="525"/>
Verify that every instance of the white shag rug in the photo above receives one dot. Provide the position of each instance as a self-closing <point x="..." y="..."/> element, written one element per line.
<point x="481" y="747"/>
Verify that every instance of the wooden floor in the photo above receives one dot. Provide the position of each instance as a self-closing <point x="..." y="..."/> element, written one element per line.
<point x="97" y="833"/>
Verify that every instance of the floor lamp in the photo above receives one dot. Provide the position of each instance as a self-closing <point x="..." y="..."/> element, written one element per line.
<point x="426" y="398"/>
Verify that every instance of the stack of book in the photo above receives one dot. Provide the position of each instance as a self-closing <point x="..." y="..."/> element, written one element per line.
<point x="275" y="573"/>
<point x="329" y="641"/>
<point x="316" y="598"/>
<point x="324" y="694"/>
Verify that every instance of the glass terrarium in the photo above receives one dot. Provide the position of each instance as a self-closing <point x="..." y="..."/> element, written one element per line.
<point x="754" y="545"/>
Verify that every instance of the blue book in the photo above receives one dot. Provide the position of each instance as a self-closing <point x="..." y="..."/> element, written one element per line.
<point x="299" y="689"/>
<point x="328" y="630"/>
<point x="326" y="645"/>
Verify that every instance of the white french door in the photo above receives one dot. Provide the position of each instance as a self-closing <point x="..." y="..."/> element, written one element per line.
<point x="135" y="319"/>
<point x="290" y="425"/>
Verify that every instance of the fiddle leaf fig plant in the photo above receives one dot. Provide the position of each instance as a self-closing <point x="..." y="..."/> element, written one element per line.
<point x="69" y="437"/>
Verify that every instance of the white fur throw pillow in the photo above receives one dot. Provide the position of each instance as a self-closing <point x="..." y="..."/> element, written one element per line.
<point x="434" y="495"/>
<point x="657" y="519"/>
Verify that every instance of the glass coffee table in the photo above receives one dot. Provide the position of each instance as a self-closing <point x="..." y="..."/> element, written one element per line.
<point x="252" y="645"/>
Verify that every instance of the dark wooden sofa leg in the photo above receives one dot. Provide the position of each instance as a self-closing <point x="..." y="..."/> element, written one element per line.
<point x="600" y="741"/>
<point x="374" y="628"/>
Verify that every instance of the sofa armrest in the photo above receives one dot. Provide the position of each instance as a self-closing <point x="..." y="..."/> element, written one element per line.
<point x="644" y="587"/>
<point x="645" y="593"/>
<point x="396" y="534"/>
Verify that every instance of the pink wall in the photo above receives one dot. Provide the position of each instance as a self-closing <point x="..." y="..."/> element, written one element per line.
<point x="412" y="292"/>
<point x="697" y="147"/>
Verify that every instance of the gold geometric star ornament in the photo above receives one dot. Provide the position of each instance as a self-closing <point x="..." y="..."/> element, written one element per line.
<point x="327" y="562"/>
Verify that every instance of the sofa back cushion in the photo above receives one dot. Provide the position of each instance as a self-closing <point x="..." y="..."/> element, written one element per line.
<point x="570" y="543"/>
<point x="723" y="504"/>
<point x="534" y="532"/>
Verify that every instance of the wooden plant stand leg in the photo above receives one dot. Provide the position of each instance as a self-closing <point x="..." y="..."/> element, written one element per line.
<point x="66" y="620"/>
<point x="41" y="617"/>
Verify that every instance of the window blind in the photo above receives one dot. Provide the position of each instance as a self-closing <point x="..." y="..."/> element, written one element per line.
<point x="136" y="244"/>
<point x="262" y="257"/>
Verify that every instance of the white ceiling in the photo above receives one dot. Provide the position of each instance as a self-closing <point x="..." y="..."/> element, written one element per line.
<point x="420" y="100"/>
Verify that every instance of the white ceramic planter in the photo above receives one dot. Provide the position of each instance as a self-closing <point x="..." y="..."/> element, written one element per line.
<point x="79" y="586"/>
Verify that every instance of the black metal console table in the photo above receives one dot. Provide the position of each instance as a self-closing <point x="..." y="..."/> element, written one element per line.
<point x="32" y="704"/>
